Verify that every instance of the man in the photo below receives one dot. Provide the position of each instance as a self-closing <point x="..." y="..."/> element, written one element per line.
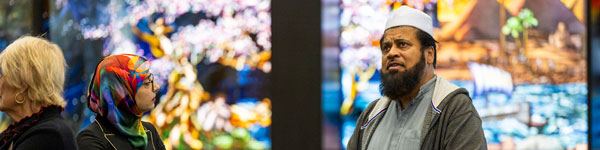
<point x="419" y="110"/>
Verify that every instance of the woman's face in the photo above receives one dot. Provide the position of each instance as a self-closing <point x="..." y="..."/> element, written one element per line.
<point x="146" y="95"/>
<point x="7" y="95"/>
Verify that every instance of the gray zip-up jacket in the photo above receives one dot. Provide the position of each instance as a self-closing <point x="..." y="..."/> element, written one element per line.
<point x="450" y="123"/>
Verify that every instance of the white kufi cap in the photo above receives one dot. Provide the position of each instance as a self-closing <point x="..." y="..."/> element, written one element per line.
<point x="406" y="16"/>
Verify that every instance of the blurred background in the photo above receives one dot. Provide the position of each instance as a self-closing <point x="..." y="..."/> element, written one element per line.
<point x="529" y="65"/>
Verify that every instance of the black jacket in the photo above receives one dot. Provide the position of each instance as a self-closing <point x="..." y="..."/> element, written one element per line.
<point x="100" y="135"/>
<point x="43" y="130"/>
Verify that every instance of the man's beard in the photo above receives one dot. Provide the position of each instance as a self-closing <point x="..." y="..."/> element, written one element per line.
<point x="395" y="84"/>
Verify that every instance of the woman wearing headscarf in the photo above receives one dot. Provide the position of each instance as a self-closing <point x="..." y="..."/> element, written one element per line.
<point x="32" y="76"/>
<point x="121" y="90"/>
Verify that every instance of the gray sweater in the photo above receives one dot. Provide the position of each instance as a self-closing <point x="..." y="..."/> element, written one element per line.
<point x="450" y="123"/>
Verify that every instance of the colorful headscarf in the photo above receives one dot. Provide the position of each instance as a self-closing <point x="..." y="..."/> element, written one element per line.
<point x="111" y="94"/>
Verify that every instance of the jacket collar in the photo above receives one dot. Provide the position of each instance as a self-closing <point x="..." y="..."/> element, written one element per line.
<point x="117" y="139"/>
<point x="16" y="129"/>
<point x="442" y="88"/>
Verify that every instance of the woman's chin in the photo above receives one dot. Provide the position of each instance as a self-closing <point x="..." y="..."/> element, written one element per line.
<point x="151" y="108"/>
<point x="148" y="109"/>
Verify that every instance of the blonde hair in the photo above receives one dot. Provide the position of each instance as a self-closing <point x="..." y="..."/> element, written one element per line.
<point x="39" y="66"/>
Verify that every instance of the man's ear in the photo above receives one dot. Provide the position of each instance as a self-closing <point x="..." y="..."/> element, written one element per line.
<point x="429" y="55"/>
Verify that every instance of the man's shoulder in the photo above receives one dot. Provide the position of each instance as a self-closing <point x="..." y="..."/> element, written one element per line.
<point x="458" y="98"/>
<point x="459" y="95"/>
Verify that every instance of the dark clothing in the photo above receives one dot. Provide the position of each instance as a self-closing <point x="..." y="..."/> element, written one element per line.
<point x="43" y="130"/>
<point x="459" y="127"/>
<point x="101" y="135"/>
<point x="450" y="123"/>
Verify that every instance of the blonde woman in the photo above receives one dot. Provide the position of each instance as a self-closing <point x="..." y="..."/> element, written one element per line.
<point x="32" y="74"/>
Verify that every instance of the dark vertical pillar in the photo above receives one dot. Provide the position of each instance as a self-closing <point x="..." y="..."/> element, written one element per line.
<point x="592" y="74"/>
<point x="296" y="74"/>
<point x="40" y="14"/>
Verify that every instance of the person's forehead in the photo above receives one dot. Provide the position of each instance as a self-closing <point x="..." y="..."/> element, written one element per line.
<point x="402" y="32"/>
